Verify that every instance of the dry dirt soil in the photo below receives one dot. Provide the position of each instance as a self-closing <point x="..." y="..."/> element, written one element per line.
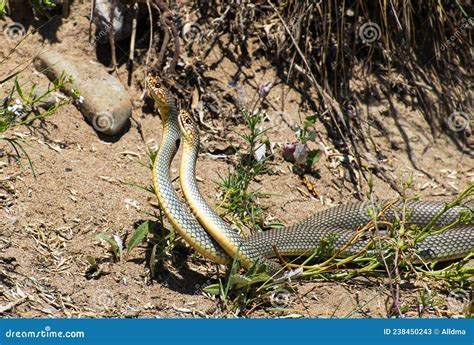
<point x="85" y="186"/>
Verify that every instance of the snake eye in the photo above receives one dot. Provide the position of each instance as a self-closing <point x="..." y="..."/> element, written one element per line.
<point x="153" y="82"/>
<point x="188" y="121"/>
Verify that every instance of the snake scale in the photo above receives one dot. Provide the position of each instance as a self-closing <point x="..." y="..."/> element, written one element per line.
<point x="216" y="240"/>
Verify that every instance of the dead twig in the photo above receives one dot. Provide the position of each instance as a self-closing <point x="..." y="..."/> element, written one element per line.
<point x="113" y="4"/>
<point x="132" y="43"/>
<point x="168" y="27"/>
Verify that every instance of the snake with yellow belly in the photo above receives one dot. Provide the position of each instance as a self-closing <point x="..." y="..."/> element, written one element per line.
<point x="216" y="240"/>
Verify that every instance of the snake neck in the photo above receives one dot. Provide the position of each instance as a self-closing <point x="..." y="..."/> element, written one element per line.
<point x="167" y="151"/>
<point x="171" y="135"/>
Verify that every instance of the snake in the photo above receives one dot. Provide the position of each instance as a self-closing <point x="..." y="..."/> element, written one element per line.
<point x="220" y="243"/>
<point x="180" y="218"/>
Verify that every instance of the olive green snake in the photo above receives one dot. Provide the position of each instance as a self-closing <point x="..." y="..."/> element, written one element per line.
<point x="213" y="238"/>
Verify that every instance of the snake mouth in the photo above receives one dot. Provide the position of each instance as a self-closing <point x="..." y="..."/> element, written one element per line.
<point x="185" y="123"/>
<point x="181" y="124"/>
<point x="184" y="130"/>
<point x="189" y="129"/>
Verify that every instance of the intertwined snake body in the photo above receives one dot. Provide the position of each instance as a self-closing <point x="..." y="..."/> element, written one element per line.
<point x="220" y="242"/>
<point x="184" y="222"/>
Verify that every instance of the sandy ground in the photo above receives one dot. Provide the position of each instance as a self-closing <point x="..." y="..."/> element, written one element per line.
<point x="84" y="186"/>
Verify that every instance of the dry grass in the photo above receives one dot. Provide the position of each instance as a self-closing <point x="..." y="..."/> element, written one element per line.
<point x="411" y="50"/>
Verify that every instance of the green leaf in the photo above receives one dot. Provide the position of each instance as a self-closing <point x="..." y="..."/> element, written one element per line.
<point x="49" y="3"/>
<point x="370" y="182"/>
<point x="371" y="213"/>
<point x="30" y="93"/>
<point x="298" y="131"/>
<point x="311" y="136"/>
<point x="213" y="289"/>
<point x="410" y="181"/>
<point x="19" y="90"/>
<point x="239" y="281"/>
<point x="139" y="235"/>
<point x="259" y="278"/>
<point x="313" y="157"/>
<point x="111" y="241"/>
<point x="3" y="4"/>
<point x="153" y="260"/>
<point x="310" y="120"/>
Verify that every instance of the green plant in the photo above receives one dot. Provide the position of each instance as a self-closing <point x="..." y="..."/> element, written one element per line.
<point x="39" y="7"/>
<point x="161" y="243"/>
<point x="299" y="152"/>
<point x="20" y="108"/>
<point x="3" y="5"/>
<point x="238" y="200"/>
<point x="428" y="300"/>
<point x="43" y="3"/>
<point x="306" y="133"/>
<point x="391" y="256"/>
<point x="115" y="245"/>
<point x="243" y="292"/>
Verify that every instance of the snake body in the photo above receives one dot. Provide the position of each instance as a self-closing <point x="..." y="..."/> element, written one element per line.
<point x="342" y="220"/>
<point x="219" y="243"/>
<point x="182" y="220"/>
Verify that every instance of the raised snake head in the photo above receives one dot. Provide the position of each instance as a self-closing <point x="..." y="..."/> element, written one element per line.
<point x="160" y="94"/>
<point x="189" y="129"/>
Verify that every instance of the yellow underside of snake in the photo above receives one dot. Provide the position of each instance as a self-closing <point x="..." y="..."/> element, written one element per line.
<point x="212" y="237"/>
